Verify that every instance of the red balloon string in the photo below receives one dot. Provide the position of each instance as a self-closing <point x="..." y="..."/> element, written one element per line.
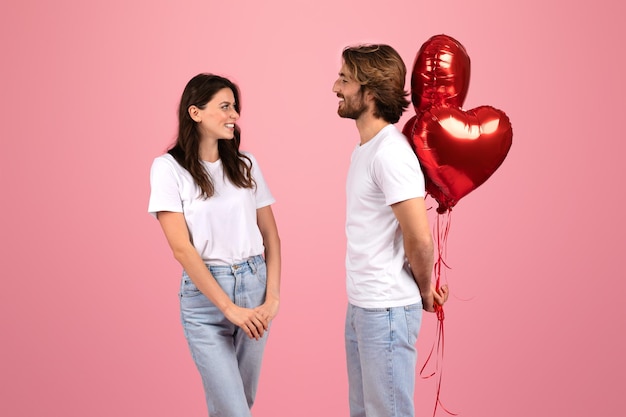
<point x="442" y="242"/>
<point x="441" y="232"/>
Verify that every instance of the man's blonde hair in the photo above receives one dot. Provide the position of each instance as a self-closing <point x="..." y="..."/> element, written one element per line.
<point x="379" y="69"/>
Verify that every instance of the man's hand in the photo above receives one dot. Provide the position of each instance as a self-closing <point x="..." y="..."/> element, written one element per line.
<point x="435" y="297"/>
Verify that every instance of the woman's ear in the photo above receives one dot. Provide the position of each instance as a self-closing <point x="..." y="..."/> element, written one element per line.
<point x="194" y="113"/>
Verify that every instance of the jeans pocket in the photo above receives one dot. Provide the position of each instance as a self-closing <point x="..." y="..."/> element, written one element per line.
<point x="261" y="273"/>
<point x="188" y="288"/>
<point x="413" y="314"/>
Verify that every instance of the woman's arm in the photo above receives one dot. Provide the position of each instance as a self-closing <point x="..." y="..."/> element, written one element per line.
<point x="271" y="241"/>
<point x="175" y="229"/>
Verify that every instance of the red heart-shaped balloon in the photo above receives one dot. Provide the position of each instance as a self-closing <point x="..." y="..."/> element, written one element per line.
<point x="458" y="150"/>
<point x="441" y="74"/>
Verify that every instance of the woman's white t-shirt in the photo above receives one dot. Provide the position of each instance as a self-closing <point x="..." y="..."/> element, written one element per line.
<point x="223" y="228"/>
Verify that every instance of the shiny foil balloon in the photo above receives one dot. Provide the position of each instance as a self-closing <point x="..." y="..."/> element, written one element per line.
<point x="458" y="150"/>
<point x="441" y="74"/>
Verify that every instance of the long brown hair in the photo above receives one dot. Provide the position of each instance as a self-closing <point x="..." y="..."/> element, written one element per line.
<point x="237" y="166"/>
<point x="380" y="70"/>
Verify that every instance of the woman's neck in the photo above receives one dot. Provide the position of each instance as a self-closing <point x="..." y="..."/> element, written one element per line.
<point x="208" y="150"/>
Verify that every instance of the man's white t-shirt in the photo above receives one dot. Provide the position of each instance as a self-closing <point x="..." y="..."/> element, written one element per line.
<point x="383" y="171"/>
<point x="223" y="228"/>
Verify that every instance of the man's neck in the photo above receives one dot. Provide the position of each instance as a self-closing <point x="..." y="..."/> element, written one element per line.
<point x="369" y="126"/>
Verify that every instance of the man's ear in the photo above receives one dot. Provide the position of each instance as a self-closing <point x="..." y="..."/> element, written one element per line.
<point x="194" y="113"/>
<point x="369" y="97"/>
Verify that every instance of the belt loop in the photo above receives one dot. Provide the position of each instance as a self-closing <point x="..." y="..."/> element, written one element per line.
<point x="252" y="264"/>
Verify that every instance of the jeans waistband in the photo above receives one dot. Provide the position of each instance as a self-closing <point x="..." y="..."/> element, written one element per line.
<point x="252" y="262"/>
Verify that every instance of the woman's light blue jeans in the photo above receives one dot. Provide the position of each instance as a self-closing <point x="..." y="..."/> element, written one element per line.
<point x="228" y="360"/>
<point x="381" y="358"/>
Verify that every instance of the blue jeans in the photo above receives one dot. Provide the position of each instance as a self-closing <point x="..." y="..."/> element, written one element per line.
<point x="229" y="362"/>
<point x="381" y="358"/>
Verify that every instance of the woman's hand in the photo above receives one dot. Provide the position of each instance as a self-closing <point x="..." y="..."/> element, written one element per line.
<point x="268" y="310"/>
<point x="251" y="321"/>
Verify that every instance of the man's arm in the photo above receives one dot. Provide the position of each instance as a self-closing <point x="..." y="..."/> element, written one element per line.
<point x="418" y="245"/>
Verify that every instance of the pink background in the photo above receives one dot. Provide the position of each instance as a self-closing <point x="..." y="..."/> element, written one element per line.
<point x="88" y="308"/>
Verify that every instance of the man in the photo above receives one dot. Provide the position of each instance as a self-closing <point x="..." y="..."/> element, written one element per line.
<point x="389" y="258"/>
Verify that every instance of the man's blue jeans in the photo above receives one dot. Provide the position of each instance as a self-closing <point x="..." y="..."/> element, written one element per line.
<point x="229" y="362"/>
<point x="381" y="358"/>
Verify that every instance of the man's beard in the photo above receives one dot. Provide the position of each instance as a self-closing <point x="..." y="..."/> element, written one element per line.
<point x="352" y="109"/>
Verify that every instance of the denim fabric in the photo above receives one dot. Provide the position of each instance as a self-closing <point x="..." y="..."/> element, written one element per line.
<point x="381" y="358"/>
<point x="229" y="362"/>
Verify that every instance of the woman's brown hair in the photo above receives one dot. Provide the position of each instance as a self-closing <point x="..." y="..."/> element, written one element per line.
<point x="237" y="166"/>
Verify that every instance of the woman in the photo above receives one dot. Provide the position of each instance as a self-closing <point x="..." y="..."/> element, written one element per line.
<point x="214" y="208"/>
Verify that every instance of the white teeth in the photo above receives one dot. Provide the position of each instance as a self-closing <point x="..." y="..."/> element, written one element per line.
<point x="230" y="125"/>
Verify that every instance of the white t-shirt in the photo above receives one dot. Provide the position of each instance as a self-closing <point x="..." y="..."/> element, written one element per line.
<point x="383" y="171"/>
<point x="223" y="228"/>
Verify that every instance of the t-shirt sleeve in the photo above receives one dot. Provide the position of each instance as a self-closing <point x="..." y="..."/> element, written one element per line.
<point x="263" y="194"/>
<point x="164" y="188"/>
<point x="398" y="174"/>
